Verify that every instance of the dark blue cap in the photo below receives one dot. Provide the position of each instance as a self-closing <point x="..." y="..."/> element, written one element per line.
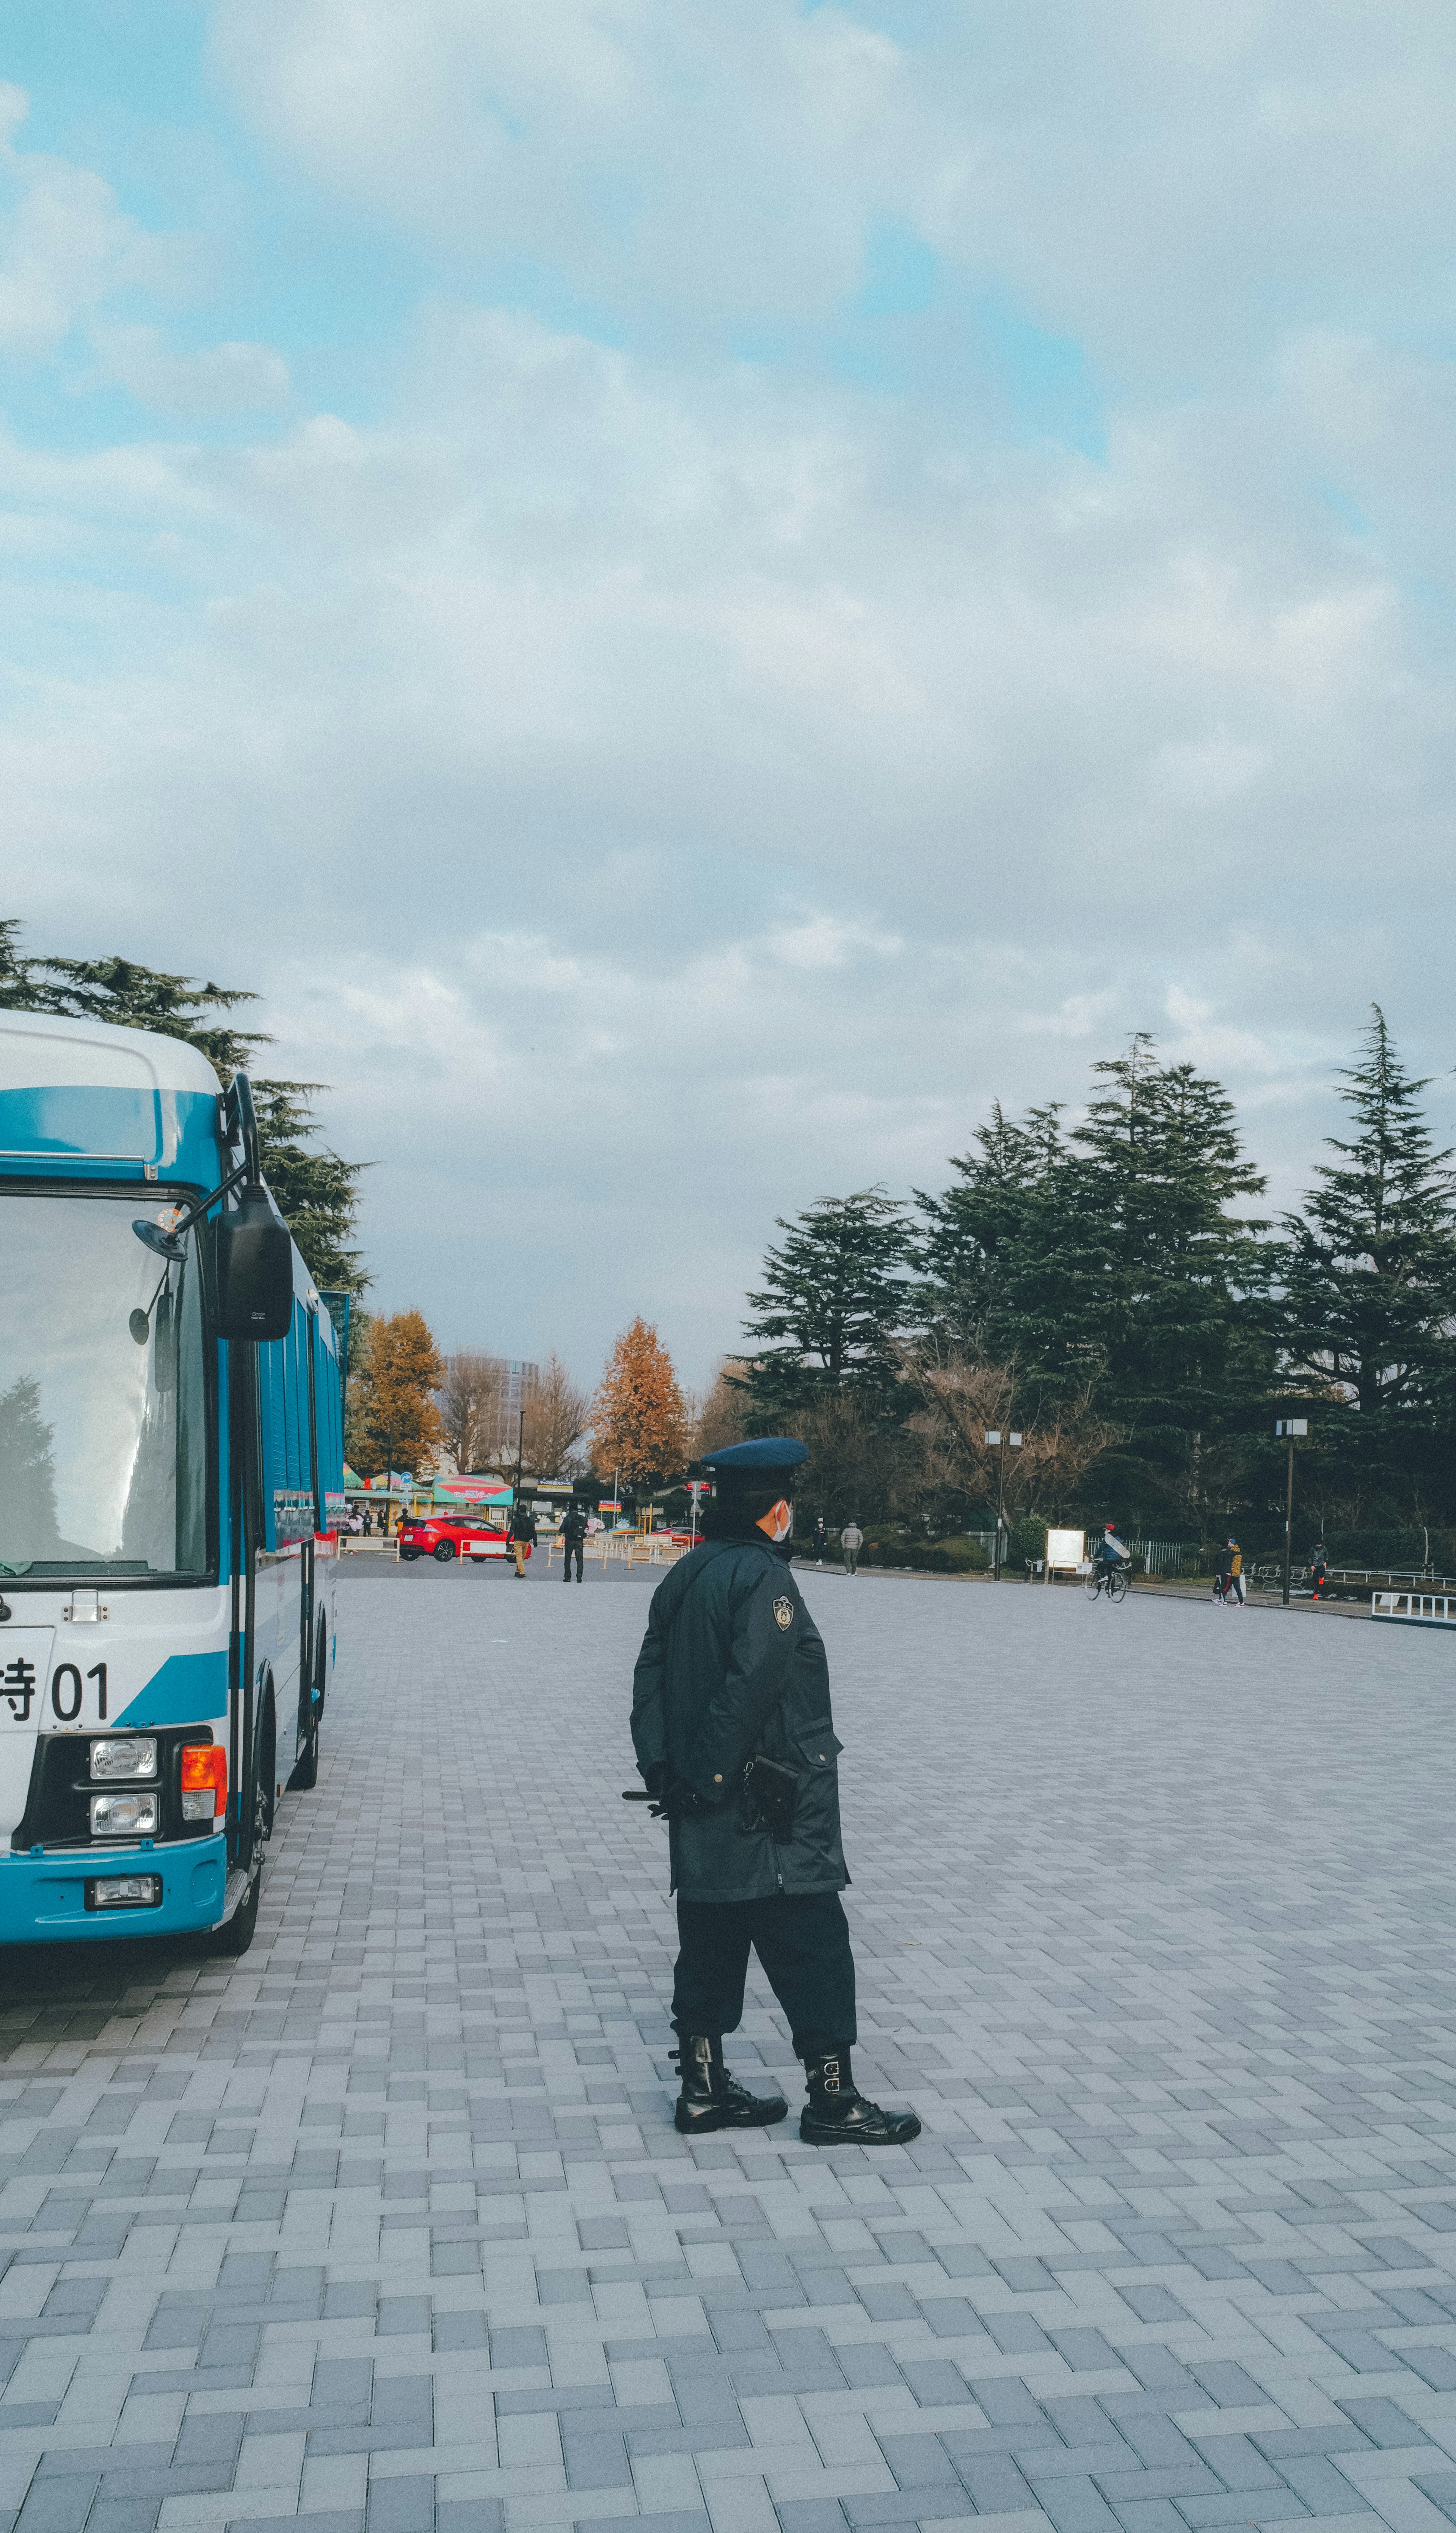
<point x="752" y="1459"/>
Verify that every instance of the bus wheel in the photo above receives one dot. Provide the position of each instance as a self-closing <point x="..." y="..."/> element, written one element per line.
<point x="236" y="1936"/>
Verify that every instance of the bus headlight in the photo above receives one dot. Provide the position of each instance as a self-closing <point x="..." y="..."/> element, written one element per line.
<point x="124" y="1816"/>
<point x="133" y="1757"/>
<point x="204" y="1781"/>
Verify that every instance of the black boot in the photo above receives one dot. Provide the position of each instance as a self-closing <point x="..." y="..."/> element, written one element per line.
<point x="711" y="2099"/>
<point x="836" y="2114"/>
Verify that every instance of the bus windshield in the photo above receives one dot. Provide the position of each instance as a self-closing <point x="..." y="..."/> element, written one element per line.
<point x="103" y="1411"/>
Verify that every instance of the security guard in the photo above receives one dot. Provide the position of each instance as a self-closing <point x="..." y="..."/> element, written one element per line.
<point x="735" y="1742"/>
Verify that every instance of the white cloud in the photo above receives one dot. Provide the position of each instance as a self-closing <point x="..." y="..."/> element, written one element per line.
<point x="64" y="241"/>
<point x="67" y="249"/>
<point x="226" y="377"/>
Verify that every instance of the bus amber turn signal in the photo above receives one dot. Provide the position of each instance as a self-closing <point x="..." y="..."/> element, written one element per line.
<point x="204" y="1781"/>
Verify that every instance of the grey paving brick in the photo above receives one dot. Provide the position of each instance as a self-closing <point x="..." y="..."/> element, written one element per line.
<point x="1278" y="2506"/>
<point x="1149" y="2515"/>
<point x="470" y="2516"/>
<point x="124" y="2514"/>
<point x="60" y="2504"/>
<point x="992" y="2480"/>
<point x="401" y="2505"/>
<point x="934" y="2381"/>
<point x="1074" y="2504"/>
<point x="1236" y="2461"/>
<point x="1384" y="2422"/>
<point x="1086" y="2351"/>
<point x="919" y="2462"/>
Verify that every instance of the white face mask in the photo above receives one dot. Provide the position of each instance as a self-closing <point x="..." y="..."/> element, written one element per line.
<point x="778" y="1522"/>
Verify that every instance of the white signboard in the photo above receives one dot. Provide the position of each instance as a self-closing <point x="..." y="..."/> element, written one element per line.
<point x="1064" y="1548"/>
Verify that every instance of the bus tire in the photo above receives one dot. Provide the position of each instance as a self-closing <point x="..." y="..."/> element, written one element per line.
<point x="444" y="1553"/>
<point x="234" y="1938"/>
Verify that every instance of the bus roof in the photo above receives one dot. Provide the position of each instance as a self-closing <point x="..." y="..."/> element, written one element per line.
<point x="37" y="1051"/>
<point x="87" y="1095"/>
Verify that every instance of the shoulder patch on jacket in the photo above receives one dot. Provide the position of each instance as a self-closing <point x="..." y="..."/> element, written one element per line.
<point x="784" y="1611"/>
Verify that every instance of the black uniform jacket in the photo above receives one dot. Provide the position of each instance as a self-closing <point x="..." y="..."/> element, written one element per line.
<point x="732" y="1665"/>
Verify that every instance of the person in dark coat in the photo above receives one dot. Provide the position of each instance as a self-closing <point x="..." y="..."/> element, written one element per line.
<point x="1318" y="1570"/>
<point x="733" y="1669"/>
<point x="573" y="1538"/>
<point x="522" y="1537"/>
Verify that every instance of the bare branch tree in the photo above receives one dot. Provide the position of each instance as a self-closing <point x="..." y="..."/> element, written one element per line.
<point x="557" y="1415"/>
<point x="468" y="1400"/>
<point x="715" y="1417"/>
<point x="965" y="1399"/>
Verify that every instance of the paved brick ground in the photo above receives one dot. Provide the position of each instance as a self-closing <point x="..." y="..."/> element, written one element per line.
<point x="386" y="2226"/>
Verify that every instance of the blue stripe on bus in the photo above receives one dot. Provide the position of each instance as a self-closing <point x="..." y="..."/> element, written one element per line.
<point x="174" y="1129"/>
<point x="188" y="1689"/>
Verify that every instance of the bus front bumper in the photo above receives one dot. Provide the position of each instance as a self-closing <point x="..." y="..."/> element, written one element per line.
<point x="42" y="1898"/>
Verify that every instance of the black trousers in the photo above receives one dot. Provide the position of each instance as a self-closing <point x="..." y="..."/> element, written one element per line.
<point x="803" y="1944"/>
<point x="573" y="1548"/>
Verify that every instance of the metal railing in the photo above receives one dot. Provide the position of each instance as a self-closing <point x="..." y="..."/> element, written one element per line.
<point x="1414" y="1609"/>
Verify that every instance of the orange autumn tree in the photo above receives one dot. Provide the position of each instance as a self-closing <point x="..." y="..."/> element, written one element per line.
<point x="639" y="1420"/>
<point x="394" y="1419"/>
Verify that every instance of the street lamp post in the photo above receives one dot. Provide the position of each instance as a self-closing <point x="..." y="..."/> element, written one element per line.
<point x="998" y="1443"/>
<point x="1289" y="1429"/>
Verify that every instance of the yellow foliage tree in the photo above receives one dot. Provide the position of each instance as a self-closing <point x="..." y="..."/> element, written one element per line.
<point x="392" y="1404"/>
<point x="639" y="1419"/>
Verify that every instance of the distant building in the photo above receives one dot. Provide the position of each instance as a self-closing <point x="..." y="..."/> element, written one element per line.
<point x="502" y="1421"/>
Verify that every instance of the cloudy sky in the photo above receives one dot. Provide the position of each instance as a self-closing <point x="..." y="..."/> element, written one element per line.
<point x="692" y="592"/>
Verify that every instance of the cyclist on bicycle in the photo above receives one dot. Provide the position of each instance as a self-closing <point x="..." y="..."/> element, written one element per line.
<point x="1111" y="1554"/>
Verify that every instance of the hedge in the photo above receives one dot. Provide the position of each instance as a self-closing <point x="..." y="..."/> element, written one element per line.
<point x="930" y="1556"/>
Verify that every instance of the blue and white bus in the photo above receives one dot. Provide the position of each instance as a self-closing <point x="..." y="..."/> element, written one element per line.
<point x="171" y="1471"/>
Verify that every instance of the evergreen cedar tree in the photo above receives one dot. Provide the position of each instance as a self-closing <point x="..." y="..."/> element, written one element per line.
<point x="1116" y="1280"/>
<point x="639" y="1419"/>
<point x="834" y="1298"/>
<point x="314" y="1191"/>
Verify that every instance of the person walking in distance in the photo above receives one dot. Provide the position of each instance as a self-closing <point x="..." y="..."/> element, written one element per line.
<point x="1223" y="1578"/>
<point x="851" y="1540"/>
<point x="1236" y="1574"/>
<point x="522" y="1537"/>
<point x="1318" y="1570"/>
<point x="818" y="1541"/>
<point x="573" y="1537"/>
<point x="736" y="1743"/>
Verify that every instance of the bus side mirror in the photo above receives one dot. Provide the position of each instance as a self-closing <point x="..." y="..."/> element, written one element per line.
<point x="254" y="1262"/>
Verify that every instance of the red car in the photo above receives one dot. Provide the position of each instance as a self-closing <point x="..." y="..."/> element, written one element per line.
<point x="443" y="1535"/>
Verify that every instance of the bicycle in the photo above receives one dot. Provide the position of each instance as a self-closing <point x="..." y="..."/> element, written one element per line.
<point x="1111" y="1579"/>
